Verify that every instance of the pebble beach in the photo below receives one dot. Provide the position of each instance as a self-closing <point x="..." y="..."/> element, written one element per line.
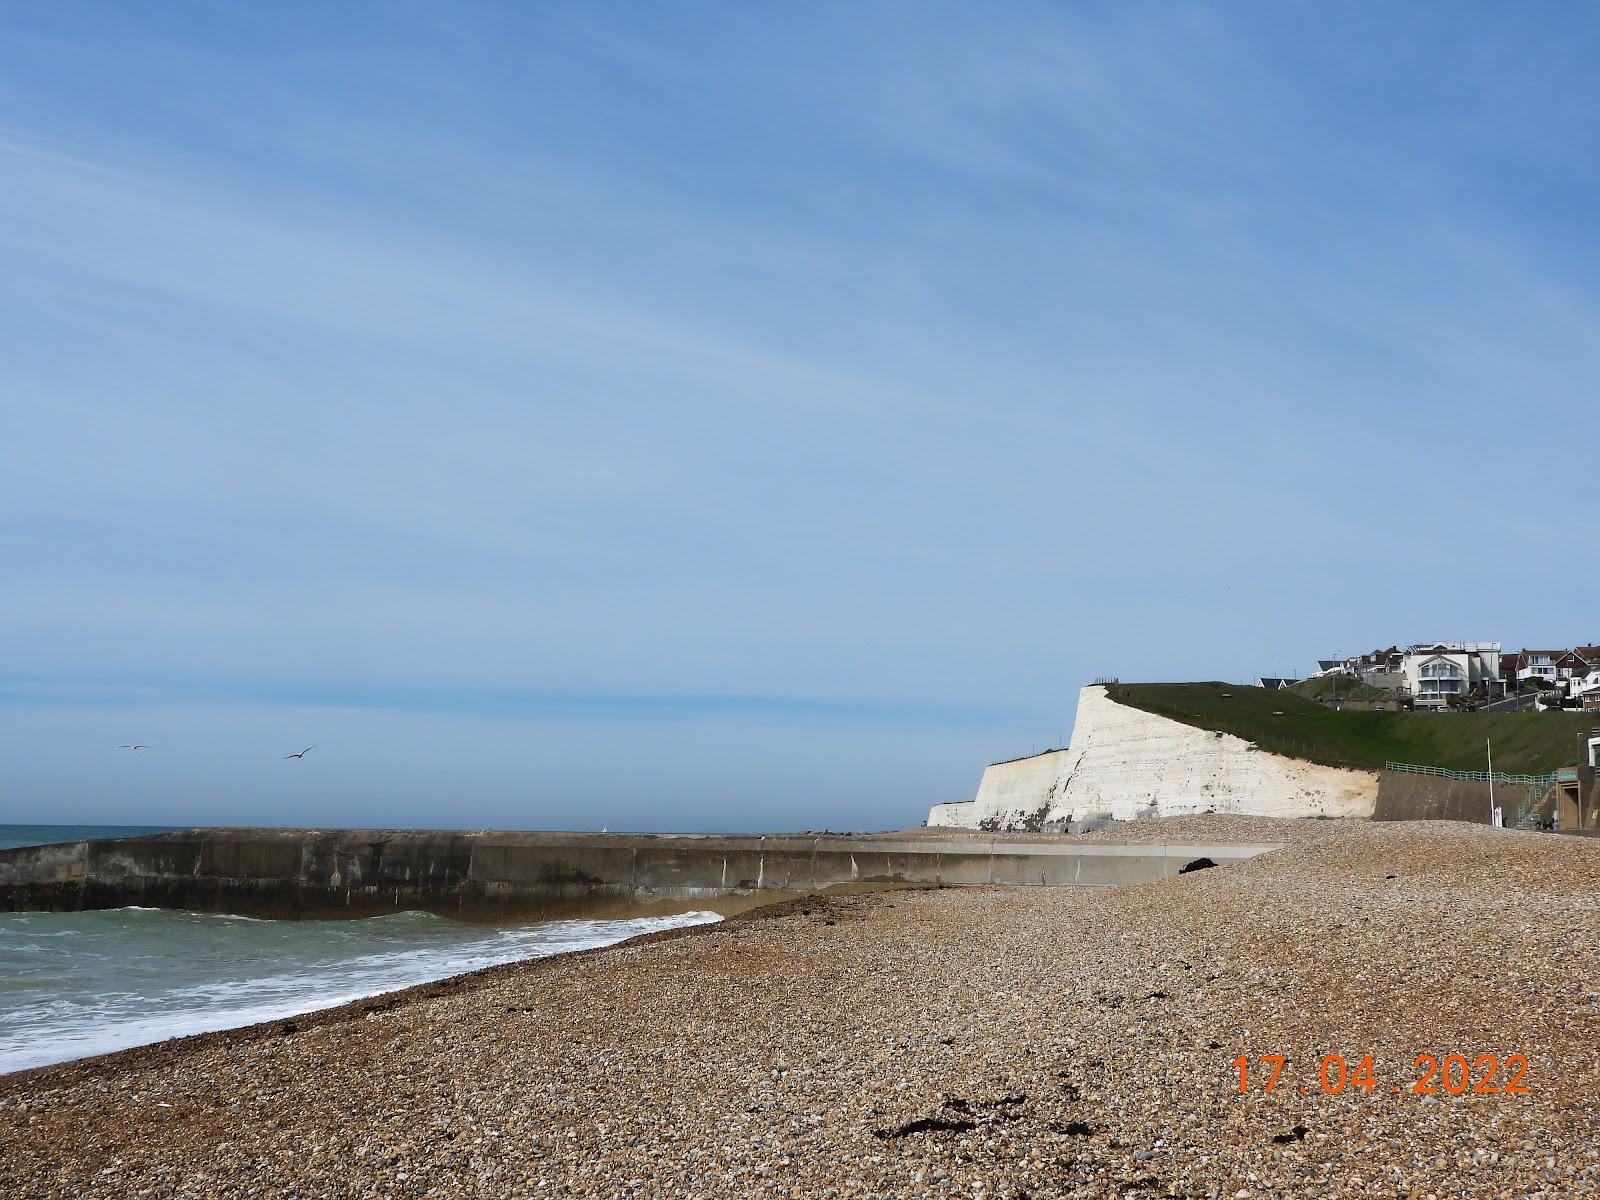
<point x="1019" y="1042"/>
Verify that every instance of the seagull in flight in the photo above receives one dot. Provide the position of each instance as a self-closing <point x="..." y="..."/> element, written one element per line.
<point x="140" y="746"/>
<point x="302" y="753"/>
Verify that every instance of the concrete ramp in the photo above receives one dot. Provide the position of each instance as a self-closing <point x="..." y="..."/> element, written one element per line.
<point x="532" y="876"/>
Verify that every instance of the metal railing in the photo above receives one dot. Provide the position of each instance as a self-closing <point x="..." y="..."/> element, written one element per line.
<point x="1477" y="776"/>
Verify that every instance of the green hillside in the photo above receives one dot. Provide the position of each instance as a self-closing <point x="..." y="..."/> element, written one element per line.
<point x="1281" y="721"/>
<point x="1336" y="687"/>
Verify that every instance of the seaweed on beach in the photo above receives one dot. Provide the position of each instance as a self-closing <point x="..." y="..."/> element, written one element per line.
<point x="926" y="1125"/>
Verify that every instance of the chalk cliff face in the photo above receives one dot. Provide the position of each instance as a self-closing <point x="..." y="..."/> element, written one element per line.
<point x="1127" y="763"/>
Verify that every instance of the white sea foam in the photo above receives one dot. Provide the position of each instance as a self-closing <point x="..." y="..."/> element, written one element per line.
<point x="207" y="916"/>
<point x="77" y="984"/>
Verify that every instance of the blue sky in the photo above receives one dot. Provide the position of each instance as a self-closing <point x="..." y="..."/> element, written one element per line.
<point x="754" y="416"/>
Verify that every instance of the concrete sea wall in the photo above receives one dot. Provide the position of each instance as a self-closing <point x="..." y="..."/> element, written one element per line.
<point x="531" y="876"/>
<point x="1124" y="763"/>
<point x="1403" y="796"/>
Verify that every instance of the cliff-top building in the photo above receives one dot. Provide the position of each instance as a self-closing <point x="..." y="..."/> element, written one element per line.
<point x="1436" y="674"/>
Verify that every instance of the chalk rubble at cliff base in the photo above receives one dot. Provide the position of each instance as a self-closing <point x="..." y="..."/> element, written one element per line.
<point x="958" y="1042"/>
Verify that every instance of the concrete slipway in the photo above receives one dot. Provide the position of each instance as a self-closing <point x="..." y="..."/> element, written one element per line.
<point x="518" y="876"/>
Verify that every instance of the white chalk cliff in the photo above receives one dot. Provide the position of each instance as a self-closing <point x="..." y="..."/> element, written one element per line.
<point x="1126" y="763"/>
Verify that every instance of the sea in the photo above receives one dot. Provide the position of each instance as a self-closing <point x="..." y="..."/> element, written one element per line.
<point x="77" y="984"/>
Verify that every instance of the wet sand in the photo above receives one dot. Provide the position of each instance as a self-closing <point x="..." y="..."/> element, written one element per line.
<point x="950" y="1042"/>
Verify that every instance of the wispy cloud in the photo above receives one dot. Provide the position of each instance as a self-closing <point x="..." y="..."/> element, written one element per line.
<point x="24" y="692"/>
<point x="714" y="368"/>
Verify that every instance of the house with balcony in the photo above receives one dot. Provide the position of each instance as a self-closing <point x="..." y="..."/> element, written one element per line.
<point x="1379" y="669"/>
<point x="1550" y="666"/>
<point x="1440" y="674"/>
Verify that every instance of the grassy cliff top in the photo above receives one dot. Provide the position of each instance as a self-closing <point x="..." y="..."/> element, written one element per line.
<point x="1285" y="723"/>
<point x="1337" y="687"/>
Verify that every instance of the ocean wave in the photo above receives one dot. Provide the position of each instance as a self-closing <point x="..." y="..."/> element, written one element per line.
<point x="176" y="975"/>
<point x="185" y="912"/>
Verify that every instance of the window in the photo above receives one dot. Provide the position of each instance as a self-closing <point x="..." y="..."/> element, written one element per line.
<point x="1440" y="678"/>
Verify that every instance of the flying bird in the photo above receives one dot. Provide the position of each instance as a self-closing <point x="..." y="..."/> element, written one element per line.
<point x="302" y="753"/>
<point x="141" y="746"/>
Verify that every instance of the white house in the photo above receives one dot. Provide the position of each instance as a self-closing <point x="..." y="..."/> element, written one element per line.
<point x="1436" y="672"/>
<point x="1551" y="665"/>
<point x="1586" y="690"/>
